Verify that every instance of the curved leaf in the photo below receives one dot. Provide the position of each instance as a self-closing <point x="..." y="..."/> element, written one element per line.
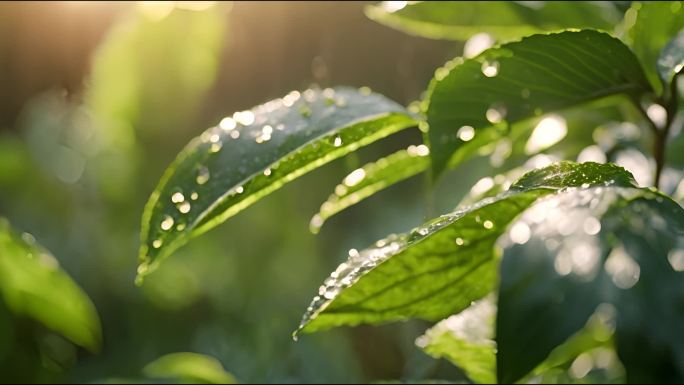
<point x="606" y="248"/>
<point x="441" y="267"/>
<point x="33" y="285"/>
<point x="655" y="23"/>
<point x="472" y="101"/>
<point x="189" y="368"/>
<point x="252" y="154"/>
<point x="458" y="20"/>
<point x="371" y="178"/>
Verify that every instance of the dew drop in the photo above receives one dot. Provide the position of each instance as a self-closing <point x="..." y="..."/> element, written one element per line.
<point x="194" y="196"/>
<point x="459" y="241"/>
<point x="495" y="114"/>
<point x="202" y="175"/>
<point x="337" y="142"/>
<point x="245" y="118"/>
<point x="228" y="124"/>
<point x="234" y="134"/>
<point x="239" y="189"/>
<point x="167" y="223"/>
<point x="267" y="172"/>
<point x="177" y="197"/>
<point x="215" y="147"/>
<point x="157" y="243"/>
<point x="180" y="227"/>
<point x="490" y="69"/>
<point x="520" y="233"/>
<point x="466" y="133"/>
<point x="184" y="207"/>
<point x="488" y="224"/>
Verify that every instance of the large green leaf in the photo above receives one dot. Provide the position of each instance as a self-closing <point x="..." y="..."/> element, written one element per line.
<point x="189" y="368"/>
<point x="441" y="267"/>
<point x="252" y="154"/>
<point x="656" y="23"/>
<point x="458" y="20"/>
<point x="472" y="101"/>
<point x="612" y="248"/>
<point x="371" y="178"/>
<point x="33" y="285"/>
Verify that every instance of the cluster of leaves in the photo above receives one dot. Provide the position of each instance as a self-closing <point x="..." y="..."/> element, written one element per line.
<point x="572" y="271"/>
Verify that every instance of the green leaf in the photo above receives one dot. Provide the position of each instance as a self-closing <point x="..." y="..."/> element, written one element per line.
<point x="606" y="247"/>
<point x="371" y="178"/>
<point x="441" y="267"/>
<point x="471" y="102"/>
<point x="33" y="285"/>
<point x="190" y="368"/>
<point x="457" y="20"/>
<point x="655" y="23"/>
<point x="252" y="154"/>
<point x="671" y="59"/>
<point x="466" y="340"/>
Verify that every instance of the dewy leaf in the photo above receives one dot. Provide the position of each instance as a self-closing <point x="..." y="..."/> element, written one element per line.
<point x="611" y="248"/>
<point x="255" y="152"/>
<point x="458" y="20"/>
<point x="440" y="268"/>
<point x="467" y="340"/>
<point x="371" y="178"/>
<point x="33" y="285"/>
<point x="671" y="60"/>
<point x="189" y="368"/>
<point x="655" y="24"/>
<point x="471" y="102"/>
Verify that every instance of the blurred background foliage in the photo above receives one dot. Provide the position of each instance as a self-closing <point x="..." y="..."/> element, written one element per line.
<point x="96" y="99"/>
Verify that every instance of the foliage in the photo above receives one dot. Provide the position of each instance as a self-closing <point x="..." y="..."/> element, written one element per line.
<point x="563" y="242"/>
<point x="563" y="262"/>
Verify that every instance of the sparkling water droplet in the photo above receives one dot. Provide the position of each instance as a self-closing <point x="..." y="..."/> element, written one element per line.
<point x="202" y="175"/>
<point x="239" y="189"/>
<point x="488" y="224"/>
<point x="177" y="197"/>
<point x="157" y="243"/>
<point x="267" y="172"/>
<point x="466" y="133"/>
<point x="490" y="69"/>
<point x="194" y="196"/>
<point x="167" y="223"/>
<point x="337" y="142"/>
<point x="180" y="227"/>
<point x="460" y="241"/>
<point x="184" y="207"/>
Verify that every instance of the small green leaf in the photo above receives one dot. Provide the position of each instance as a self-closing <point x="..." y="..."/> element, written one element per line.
<point x="33" y="285"/>
<point x="606" y="247"/>
<point x="255" y="152"/>
<point x="371" y="178"/>
<point x="189" y="368"/>
<point x="466" y="340"/>
<point x="655" y="24"/>
<point x="671" y="59"/>
<point x="441" y="267"/>
<point x="472" y="102"/>
<point x="458" y="20"/>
